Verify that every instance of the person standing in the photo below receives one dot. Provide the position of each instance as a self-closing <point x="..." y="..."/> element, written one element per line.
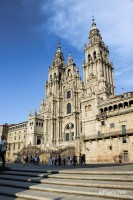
<point x="83" y="159"/>
<point x="64" y="160"/>
<point x="3" y="150"/>
<point x="74" y="160"/>
<point x="59" y="160"/>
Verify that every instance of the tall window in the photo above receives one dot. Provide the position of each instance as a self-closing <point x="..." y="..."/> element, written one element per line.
<point x="67" y="136"/>
<point x="54" y="75"/>
<point x="50" y="77"/>
<point x="69" y="72"/>
<point x="123" y="129"/>
<point x="72" y="135"/>
<point x="68" y="108"/>
<point x="38" y="141"/>
<point x="89" y="58"/>
<point x="94" y="54"/>
<point x="68" y="94"/>
<point x="99" y="134"/>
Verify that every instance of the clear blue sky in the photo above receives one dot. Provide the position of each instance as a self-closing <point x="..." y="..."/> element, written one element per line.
<point x="29" y="33"/>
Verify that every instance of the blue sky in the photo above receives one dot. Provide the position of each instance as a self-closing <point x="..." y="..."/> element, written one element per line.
<point x="29" y="33"/>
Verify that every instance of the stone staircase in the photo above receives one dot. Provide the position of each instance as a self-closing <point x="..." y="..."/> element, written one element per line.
<point x="22" y="184"/>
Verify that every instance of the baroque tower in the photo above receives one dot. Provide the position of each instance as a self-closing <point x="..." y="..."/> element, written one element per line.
<point x="98" y="71"/>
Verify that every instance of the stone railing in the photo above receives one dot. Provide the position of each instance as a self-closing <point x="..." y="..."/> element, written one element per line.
<point x="106" y="135"/>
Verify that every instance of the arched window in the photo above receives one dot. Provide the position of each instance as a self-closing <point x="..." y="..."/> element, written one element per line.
<point x="89" y="58"/>
<point x="131" y="103"/>
<point x="125" y="104"/>
<point x="50" y="77"/>
<point x="115" y="107"/>
<point x="68" y="108"/>
<point x="68" y="94"/>
<point x="54" y="75"/>
<point x="94" y="55"/>
<point x="38" y="141"/>
<point x="120" y="105"/>
<point x="89" y="107"/>
<point x="86" y="108"/>
<point x="69" y="72"/>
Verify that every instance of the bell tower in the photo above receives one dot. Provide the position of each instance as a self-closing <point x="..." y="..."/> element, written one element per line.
<point x="53" y="84"/>
<point x="98" y="71"/>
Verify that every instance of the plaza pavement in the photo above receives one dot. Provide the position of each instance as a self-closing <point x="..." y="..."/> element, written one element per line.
<point x="88" y="167"/>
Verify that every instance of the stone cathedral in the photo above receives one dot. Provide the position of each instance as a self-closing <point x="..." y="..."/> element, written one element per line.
<point x="84" y="115"/>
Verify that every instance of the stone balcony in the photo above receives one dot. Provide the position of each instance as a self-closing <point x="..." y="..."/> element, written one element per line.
<point x="107" y="135"/>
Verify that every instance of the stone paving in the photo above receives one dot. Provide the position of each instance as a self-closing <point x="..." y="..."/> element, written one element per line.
<point x="91" y="167"/>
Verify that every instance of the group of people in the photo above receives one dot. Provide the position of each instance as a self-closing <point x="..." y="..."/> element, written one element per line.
<point x="3" y="145"/>
<point x="31" y="160"/>
<point x="57" y="160"/>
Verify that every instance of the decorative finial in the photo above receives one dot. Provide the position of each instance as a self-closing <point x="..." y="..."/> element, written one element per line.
<point x="70" y="60"/>
<point x="93" y="23"/>
<point x="59" y="44"/>
<point x="122" y="90"/>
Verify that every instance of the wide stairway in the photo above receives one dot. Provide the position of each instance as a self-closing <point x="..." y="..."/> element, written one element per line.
<point x="31" y="184"/>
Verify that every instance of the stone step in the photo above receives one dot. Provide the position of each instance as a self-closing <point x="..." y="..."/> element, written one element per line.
<point x="86" y="183"/>
<point x="64" y="175"/>
<point x="73" y="171"/>
<point x="95" y="172"/>
<point x="65" y="184"/>
<point x="21" y="194"/>
<point x="5" y="197"/>
<point x="23" y="173"/>
<point x="92" y="177"/>
<point x="75" y="190"/>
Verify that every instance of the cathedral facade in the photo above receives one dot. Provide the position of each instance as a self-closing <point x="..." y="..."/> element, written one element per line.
<point x="85" y="115"/>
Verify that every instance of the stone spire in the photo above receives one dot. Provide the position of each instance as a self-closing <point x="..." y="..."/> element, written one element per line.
<point x="70" y="60"/>
<point x="95" y="35"/>
<point x="59" y="47"/>
<point x="59" y="58"/>
<point x="97" y="67"/>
